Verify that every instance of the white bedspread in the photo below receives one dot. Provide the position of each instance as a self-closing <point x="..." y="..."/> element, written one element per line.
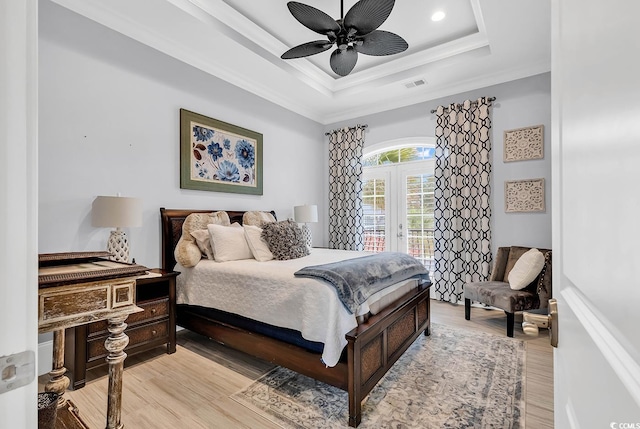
<point x="269" y="292"/>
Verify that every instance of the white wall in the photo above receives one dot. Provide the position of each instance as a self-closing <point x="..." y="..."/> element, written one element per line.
<point x="520" y="103"/>
<point x="109" y="123"/>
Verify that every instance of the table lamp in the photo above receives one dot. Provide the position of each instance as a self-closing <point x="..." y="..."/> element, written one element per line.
<point x="117" y="212"/>
<point x="306" y="214"/>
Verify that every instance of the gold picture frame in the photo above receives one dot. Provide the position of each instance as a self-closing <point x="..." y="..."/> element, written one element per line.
<point x="218" y="156"/>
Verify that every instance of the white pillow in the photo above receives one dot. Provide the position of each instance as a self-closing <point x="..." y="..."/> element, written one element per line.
<point x="526" y="269"/>
<point x="258" y="246"/>
<point x="229" y="243"/>
<point x="203" y="240"/>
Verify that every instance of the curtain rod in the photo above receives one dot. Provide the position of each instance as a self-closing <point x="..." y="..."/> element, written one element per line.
<point x="490" y="99"/>
<point x="363" y="126"/>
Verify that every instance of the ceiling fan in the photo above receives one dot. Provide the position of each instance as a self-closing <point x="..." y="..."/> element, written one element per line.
<point x="354" y="33"/>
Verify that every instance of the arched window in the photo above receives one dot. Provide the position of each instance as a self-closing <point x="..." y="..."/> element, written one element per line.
<point x="399" y="155"/>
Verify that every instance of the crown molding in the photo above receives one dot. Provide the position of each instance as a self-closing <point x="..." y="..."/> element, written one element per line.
<point x="482" y="81"/>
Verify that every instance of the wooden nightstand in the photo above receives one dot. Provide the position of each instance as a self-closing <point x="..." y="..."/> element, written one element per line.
<point x="153" y="327"/>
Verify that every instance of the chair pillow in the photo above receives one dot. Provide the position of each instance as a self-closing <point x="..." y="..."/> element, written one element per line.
<point x="258" y="246"/>
<point x="285" y="240"/>
<point x="229" y="243"/>
<point x="526" y="269"/>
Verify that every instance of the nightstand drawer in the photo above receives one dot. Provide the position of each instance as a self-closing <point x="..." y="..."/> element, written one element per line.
<point x="138" y="335"/>
<point x="152" y="309"/>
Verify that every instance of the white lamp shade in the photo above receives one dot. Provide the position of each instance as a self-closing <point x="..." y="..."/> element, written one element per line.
<point x="305" y="214"/>
<point x="116" y="212"/>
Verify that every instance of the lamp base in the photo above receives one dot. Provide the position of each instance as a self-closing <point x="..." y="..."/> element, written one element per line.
<point x="118" y="246"/>
<point x="306" y="233"/>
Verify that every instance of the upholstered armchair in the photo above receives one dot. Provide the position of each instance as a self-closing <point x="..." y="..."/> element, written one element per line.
<point x="497" y="293"/>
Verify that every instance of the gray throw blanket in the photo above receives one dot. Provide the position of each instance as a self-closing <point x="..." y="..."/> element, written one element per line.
<point x="357" y="279"/>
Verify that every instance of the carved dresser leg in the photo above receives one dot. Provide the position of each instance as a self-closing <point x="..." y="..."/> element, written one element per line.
<point x="58" y="382"/>
<point x="115" y="344"/>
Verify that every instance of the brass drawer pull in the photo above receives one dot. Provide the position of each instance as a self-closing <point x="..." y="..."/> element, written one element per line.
<point x="154" y="310"/>
<point x="154" y="332"/>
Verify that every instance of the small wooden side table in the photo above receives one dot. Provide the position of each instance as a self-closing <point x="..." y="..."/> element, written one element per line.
<point x="78" y="288"/>
<point x="153" y="327"/>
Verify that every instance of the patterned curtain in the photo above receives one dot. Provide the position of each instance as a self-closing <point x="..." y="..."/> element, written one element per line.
<point x="462" y="198"/>
<point x="346" y="230"/>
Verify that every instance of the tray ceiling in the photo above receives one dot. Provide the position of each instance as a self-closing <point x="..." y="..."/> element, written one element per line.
<point x="479" y="43"/>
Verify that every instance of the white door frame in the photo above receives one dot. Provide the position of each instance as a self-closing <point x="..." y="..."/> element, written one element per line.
<point x="19" y="200"/>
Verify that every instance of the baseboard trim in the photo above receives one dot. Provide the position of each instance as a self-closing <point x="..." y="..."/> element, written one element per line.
<point x="614" y="352"/>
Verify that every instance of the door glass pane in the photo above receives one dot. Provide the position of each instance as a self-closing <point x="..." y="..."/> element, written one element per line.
<point x="410" y="154"/>
<point x="420" y="218"/>
<point x="399" y="155"/>
<point x="375" y="214"/>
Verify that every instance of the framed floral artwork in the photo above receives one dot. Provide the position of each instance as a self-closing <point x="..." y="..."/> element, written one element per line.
<point x="218" y="156"/>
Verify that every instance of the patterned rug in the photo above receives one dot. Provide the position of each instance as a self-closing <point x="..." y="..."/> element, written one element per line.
<point x="452" y="379"/>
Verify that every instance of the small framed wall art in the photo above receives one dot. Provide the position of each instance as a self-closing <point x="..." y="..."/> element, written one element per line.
<point x="524" y="196"/>
<point x="524" y="144"/>
<point x="217" y="156"/>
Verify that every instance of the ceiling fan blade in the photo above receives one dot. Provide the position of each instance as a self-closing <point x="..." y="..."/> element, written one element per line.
<point x="343" y="61"/>
<point x="306" y="49"/>
<point x="380" y="42"/>
<point x="312" y="18"/>
<point x="367" y="15"/>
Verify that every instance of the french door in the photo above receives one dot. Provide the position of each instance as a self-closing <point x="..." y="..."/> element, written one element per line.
<point x="398" y="209"/>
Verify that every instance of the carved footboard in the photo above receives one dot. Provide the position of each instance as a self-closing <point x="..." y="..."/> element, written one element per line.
<point x="376" y="345"/>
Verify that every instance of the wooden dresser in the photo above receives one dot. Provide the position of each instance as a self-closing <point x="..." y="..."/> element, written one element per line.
<point x="154" y="326"/>
<point x="79" y="288"/>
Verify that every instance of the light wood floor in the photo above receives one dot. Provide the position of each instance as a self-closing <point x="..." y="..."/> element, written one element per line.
<point x="191" y="388"/>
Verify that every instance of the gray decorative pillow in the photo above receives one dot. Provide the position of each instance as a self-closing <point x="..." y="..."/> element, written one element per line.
<point x="285" y="240"/>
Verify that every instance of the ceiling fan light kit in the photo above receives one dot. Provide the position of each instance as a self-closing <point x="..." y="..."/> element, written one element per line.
<point x="352" y="34"/>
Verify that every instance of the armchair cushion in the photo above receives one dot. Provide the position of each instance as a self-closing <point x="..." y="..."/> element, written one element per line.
<point x="500" y="295"/>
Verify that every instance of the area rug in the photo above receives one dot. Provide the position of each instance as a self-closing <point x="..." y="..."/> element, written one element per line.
<point x="454" y="378"/>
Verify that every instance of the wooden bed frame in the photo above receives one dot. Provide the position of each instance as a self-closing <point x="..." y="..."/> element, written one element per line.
<point x="373" y="347"/>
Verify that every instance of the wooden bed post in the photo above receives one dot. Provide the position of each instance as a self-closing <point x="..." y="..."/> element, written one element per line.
<point x="355" y="382"/>
<point x="427" y="330"/>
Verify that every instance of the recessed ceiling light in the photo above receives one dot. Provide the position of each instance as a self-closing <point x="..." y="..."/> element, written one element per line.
<point x="438" y="16"/>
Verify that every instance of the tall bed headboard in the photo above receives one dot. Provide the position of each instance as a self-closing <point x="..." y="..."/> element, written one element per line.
<point x="171" y="222"/>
